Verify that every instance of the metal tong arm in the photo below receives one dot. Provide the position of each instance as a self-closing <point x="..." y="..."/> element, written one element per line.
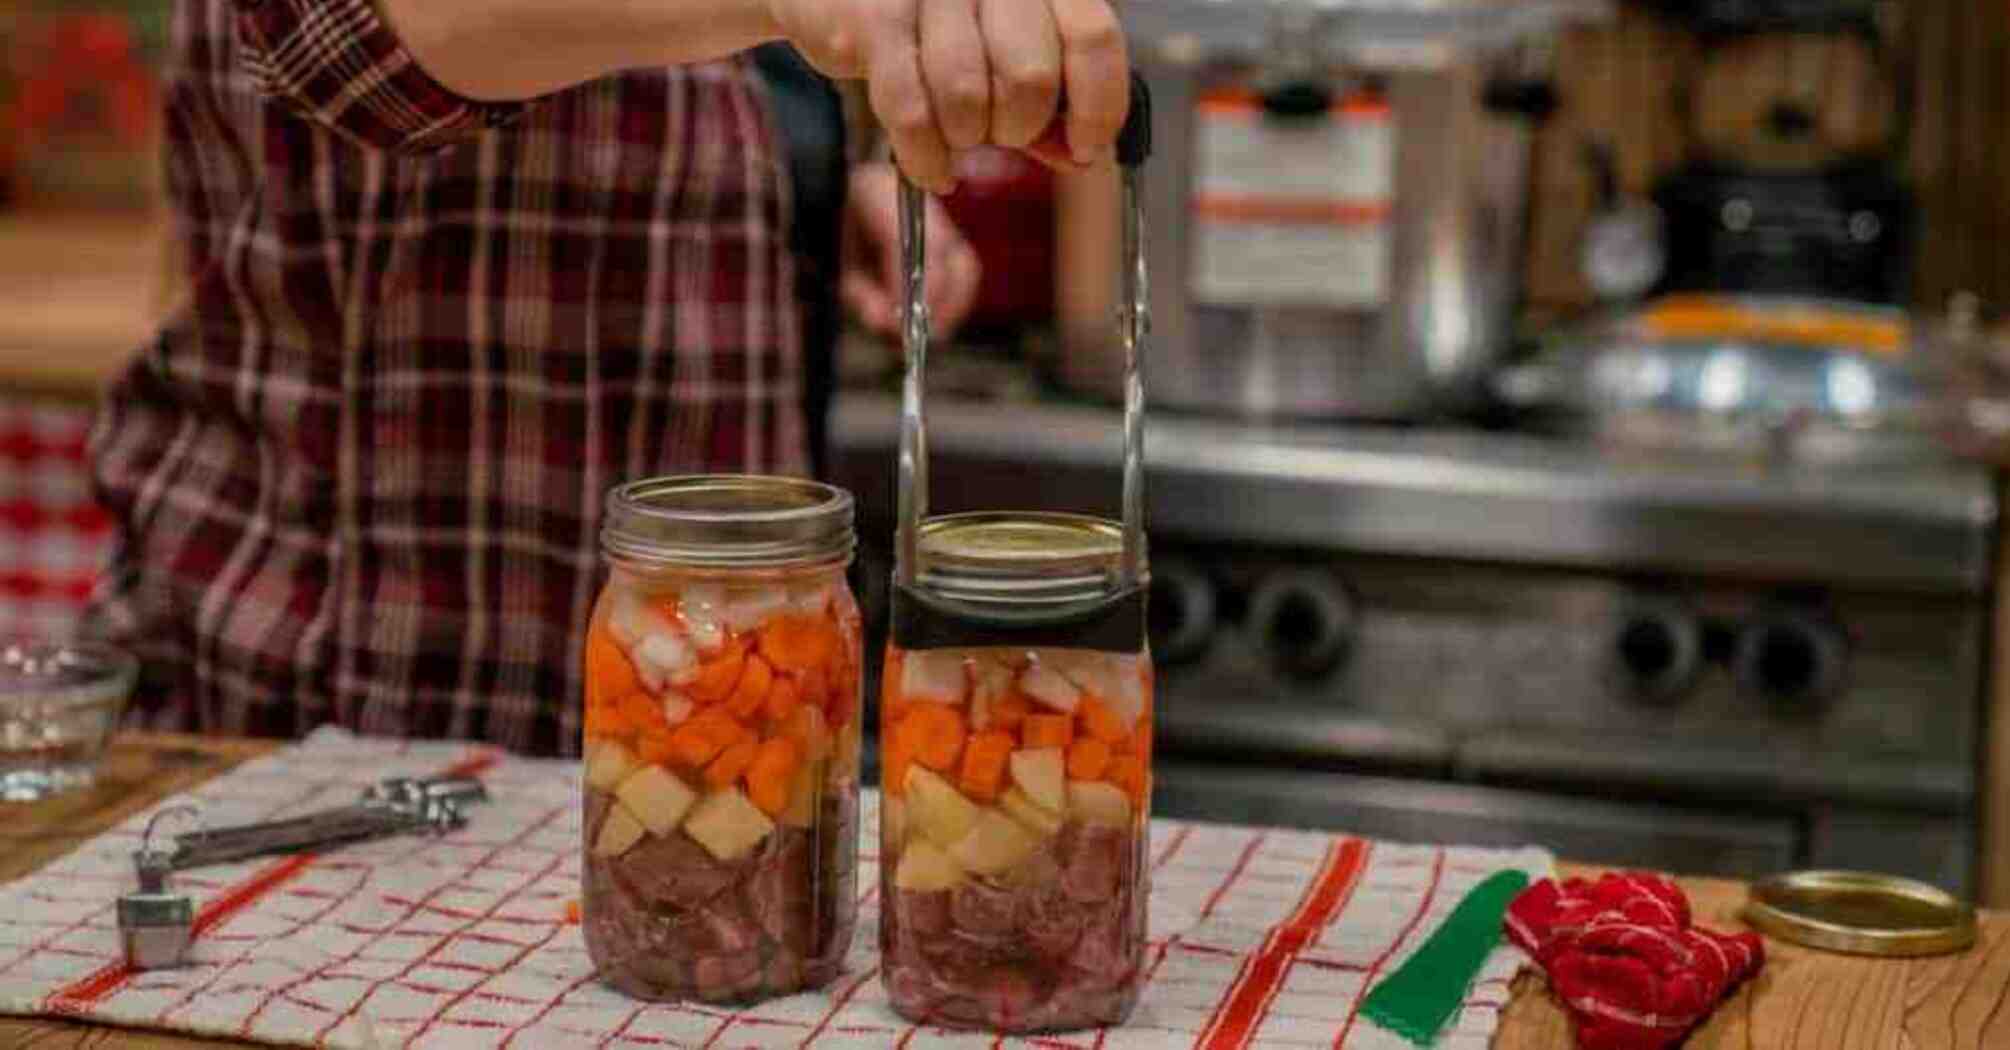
<point x="1133" y="148"/>
<point x="389" y="808"/>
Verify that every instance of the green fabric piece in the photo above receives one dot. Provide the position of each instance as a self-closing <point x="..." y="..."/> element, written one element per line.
<point x="1420" y="996"/>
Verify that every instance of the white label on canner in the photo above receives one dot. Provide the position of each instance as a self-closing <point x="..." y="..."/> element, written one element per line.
<point x="1291" y="212"/>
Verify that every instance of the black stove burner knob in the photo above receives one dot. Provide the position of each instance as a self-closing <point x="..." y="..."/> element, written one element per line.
<point x="1795" y="661"/>
<point x="1181" y="613"/>
<point x="1657" y="650"/>
<point x="1302" y="621"/>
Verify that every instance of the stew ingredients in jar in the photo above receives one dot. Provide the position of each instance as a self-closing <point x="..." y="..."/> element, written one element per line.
<point x="1016" y="791"/>
<point x="722" y="756"/>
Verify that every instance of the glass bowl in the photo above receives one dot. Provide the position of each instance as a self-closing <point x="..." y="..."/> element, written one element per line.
<point x="59" y="704"/>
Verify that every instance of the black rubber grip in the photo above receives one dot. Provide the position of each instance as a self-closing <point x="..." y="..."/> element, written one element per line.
<point x="1134" y="142"/>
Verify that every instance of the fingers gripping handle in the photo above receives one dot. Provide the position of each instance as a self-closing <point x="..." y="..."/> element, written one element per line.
<point x="1133" y="148"/>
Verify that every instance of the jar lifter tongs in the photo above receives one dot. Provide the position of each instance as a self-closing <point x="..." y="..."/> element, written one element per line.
<point x="922" y="622"/>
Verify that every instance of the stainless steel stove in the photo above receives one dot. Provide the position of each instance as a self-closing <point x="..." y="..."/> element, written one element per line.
<point x="1438" y="633"/>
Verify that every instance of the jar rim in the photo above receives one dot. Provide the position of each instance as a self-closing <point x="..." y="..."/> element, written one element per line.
<point x="1021" y="557"/>
<point x="728" y="521"/>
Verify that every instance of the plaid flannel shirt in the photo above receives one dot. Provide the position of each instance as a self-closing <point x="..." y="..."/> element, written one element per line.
<point x="358" y="475"/>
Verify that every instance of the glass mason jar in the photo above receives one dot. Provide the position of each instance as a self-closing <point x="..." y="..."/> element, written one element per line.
<point x="1016" y="732"/>
<point x="720" y="830"/>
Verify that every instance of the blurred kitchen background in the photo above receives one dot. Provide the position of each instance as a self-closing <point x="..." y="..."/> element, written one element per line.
<point x="1573" y="421"/>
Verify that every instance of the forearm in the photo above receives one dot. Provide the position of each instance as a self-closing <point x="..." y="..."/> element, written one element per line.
<point x="504" y="50"/>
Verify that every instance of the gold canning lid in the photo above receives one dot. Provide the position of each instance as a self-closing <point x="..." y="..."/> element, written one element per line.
<point x="1860" y="913"/>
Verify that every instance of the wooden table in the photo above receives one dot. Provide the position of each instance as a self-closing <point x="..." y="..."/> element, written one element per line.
<point x="1803" y="999"/>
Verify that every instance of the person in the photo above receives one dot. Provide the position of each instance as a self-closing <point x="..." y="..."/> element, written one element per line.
<point x="455" y="267"/>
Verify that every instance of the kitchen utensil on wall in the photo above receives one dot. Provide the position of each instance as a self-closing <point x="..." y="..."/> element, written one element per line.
<point x="1339" y="203"/>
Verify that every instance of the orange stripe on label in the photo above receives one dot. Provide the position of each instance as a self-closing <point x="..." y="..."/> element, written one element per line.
<point x="1248" y="999"/>
<point x="77" y="996"/>
<point x="1222" y="208"/>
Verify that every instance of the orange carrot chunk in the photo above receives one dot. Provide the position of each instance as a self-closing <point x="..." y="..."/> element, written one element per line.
<point x="798" y="643"/>
<point x="984" y="760"/>
<point x="769" y="773"/>
<point x="643" y="713"/>
<point x="718" y="676"/>
<point x="938" y="735"/>
<point x="731" y="762"/>
<point x="655" y="747"/>
<point x="1048" y="731"/>
<point x="752" y="691"/>
<point x="895" y="756"/>
<point x="1100" y="722"/>
<point x="785" y="698"/>
<point x="1087" y="759"/>
<point x="1128" y="773"/>
<point x="609" y="675"/>
<point x="700" y="739"/>
<point x="1010" y="710"/>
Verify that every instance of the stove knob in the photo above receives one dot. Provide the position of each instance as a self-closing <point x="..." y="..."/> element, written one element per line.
<point x="1182" y="612"/>
<point x="1793" y="660"/>
<point x="1302" y="621"/>
<point x="1657" y="650"/>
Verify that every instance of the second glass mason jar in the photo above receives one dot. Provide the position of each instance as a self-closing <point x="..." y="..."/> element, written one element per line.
<point x="1016" y="734"/>
<point x="720" y="827"/>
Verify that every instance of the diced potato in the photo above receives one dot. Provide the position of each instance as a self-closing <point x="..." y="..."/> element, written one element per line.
<point x="1035" y="817"/>
<point x="1050" y="687"/>
<point x="990" y="682"/>
<point x="618" y="833"/>
<point x="607" y="763"/>
<point x="994" y="845"/>
<point x="934" y="675"/>
<point x="728" y="824"/>
<point x="630" y="618"/>
<point x="892" y="822"/>
<point x="1098" y="803"/>
<point x="749" y="607"/>
<point x="703" y="608"/>
<point x="1041" y="772"/>
<point x="938" y="810"/>
<point x="801" y="812"/>
<point x="1112" y="676"/>
<point x="660" y="657"/>
<point x="657" y="798"/>
<point x="676" y="708"/>
<point x="926" y="868"/>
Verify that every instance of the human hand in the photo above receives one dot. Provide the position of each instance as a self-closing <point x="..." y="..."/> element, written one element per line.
<point x="946" y="75"/>
<point x="872" y="284"/>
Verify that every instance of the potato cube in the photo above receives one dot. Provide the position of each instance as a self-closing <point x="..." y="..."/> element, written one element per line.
<point x="938" y="810"/>
<point x="728" y="824"/>
<point x="661" y="657"/>
<point x="606" y="764"/>
<point x="1035" y="817"/>
<point x="934" y="675"/>
<point x="926" y="868"/>
<point x="657" y="798"/>
<point x="995" y="844"/>
<point x="1041" y="773"/>
<point x="1098" y="803"/>
<point x="892" y="823"/>
<point x="1050" y="687"/>
<point x="618" y="833"/>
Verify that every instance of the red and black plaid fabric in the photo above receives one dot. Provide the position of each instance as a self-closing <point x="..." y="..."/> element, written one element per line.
<point x="358" y="476"/>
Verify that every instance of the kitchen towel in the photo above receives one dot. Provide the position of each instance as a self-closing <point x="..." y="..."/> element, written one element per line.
<point x="1259" y="937"/>
<point x="1624" y="959"/>
<point x="53" y="537"/>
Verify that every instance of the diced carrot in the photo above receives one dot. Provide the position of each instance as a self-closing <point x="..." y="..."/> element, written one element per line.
<point x="798" y="643"/>
<point x="609" y="674"/>
<point x="656" y="747"/>
<point x="644" y="713"/>
<point x="815" y="685"/>
<point x="748" y="697"/>
<point x="1099" y="721"/>
<point x="896" y="754"/>
<point x="731" y="762"/>
<point x="1010" y="710"/>
<point x="805" y="725"/>
<point x="1048" y="731"/>
<point x="700" y="739"/>
<point x="984" y="760"/>
<point x="937" y="734"/>
<point x="1128" y="773"/>
<point x="718" y="676"/>
<point x="785" y="698"/>
<point x="1087" y="759"/>
<point x="572" y="912"/>
<point x="769" y="774"/>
